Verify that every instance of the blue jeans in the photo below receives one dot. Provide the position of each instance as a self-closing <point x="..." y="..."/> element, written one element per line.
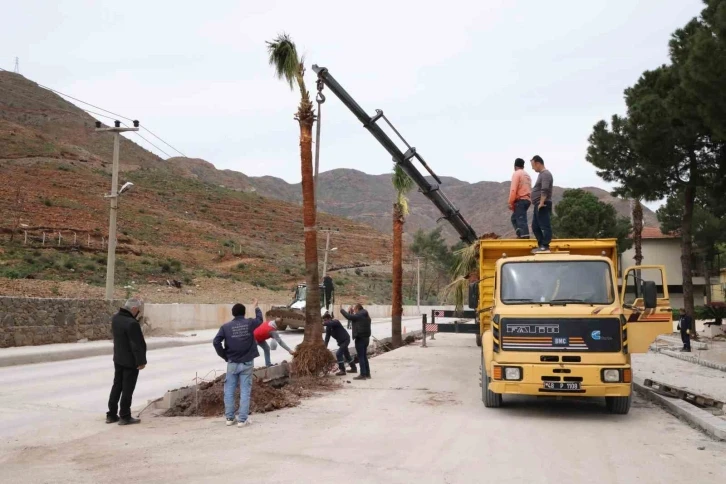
<point x="361" y="349"/>
<point x="266" y="350"/>
<point x="238" y="373"/>
<point x="343" y="355"/>
<point x="519" y="218"/>
<point x="541" y="226"/>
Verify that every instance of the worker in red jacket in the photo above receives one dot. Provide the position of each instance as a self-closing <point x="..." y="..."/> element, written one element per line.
<point x="266" y="331"/>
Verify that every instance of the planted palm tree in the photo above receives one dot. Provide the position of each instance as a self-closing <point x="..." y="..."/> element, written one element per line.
<point x="402" y="184"/>
<point x="311" y="357"/>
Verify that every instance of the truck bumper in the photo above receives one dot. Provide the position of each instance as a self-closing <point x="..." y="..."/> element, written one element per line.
<point x="589" y="377"/>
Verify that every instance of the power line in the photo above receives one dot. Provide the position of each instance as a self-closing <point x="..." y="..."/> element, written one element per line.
<point x="115" y="114"/>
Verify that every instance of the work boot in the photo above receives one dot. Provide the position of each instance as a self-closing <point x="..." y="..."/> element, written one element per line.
<point x="129" y="421"/>
<point x="368" y="377"/>
<point x="353" y="368"/>
<point x="341" y="370"/>
<point x="111" y="419"/>
<point x="360" y="377"/>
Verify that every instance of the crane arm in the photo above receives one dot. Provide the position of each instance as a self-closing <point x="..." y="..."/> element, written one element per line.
<point x="431" y="191"/>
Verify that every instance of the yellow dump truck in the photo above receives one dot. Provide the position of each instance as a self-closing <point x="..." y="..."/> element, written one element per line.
<point x="555" y="323"/>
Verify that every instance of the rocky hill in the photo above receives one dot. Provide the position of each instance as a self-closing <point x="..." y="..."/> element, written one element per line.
<point x="367" y="198"/>
<point x="177" y="222"/>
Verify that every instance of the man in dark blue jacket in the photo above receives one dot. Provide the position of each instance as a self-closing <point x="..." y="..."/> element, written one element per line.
<point x="361" y="336"/>
<point x="239" y="351"/>
<point x="685" y="324"/>
<point x="337" y="331"/>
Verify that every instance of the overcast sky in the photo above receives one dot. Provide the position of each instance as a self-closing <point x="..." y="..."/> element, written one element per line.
<point x="472" y="84"/>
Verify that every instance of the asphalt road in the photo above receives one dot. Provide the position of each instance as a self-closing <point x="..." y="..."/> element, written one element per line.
<point x="420" y="419"/>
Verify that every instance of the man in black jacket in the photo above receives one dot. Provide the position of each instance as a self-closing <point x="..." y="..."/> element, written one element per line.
<point x="361" y="336"/>
<point x="129" y="356"/>
<point x="336" y="330"/>
<point x="685" y="324"/>
<point x="239" y="351"/>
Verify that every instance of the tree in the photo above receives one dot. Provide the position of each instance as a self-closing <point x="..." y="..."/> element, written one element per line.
<point x="661" y="148"/>
<point x="709" y="232"/>
<point x="581" y="215"/>
<point x="437" y="255"/>
<point x="637" y="213"/>
<point x="311" y="356"/>
<point x="403" y="184"/>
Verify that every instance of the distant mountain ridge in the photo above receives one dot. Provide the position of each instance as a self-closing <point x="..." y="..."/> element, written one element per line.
<point x="368" y="198"/>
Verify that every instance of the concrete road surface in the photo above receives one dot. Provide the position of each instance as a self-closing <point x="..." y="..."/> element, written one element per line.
<point x="420" y="419"/>
<point x="56" y="392"/>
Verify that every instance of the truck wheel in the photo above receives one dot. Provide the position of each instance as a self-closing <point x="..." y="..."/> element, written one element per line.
<point x="478" y="339"/>
<point x="282" y="327"/>
<point x="619" y="405"/>
<point x="490" y="399"/>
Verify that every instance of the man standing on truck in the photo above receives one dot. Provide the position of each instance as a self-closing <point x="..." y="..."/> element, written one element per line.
<point x="337" y="331"/>
<point x="542" y="203"/>
<point x="266" y="331"/>
<point x="519" y="199"/>
<point x="361" y="336"/>
<point x="239" y="351"/>
<point x="685" y="324"/>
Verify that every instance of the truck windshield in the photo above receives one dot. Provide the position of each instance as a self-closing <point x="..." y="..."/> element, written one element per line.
<point x="301" y="293"/>
<point x="557" y="282"/>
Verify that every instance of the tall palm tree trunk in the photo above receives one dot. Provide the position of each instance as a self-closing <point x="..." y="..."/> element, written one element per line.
<point x="313" y="325"/>
<point x="397" y="303"/>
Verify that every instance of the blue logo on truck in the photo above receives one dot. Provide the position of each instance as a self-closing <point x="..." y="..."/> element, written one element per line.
<point x="596" y="335"/>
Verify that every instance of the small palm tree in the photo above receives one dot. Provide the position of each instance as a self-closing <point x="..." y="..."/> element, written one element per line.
<point x="403" y="184"/>
<point x="311" y="356"/>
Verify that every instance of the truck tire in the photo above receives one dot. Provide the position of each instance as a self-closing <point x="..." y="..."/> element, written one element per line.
<point x="619" y="405"/>
<point x="282" y="327"/>
<point x="478" y="339"/>
<point x="490" y="399"/>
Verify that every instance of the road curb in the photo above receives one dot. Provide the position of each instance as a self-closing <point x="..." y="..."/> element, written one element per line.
<point x="693" y="359"/>
<point x="76" y="353"/>
<point x="712" y="425"/>
<point x="696" y="345"/>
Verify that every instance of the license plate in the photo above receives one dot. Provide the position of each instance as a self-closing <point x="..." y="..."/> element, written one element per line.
<point x="560" y="386"/>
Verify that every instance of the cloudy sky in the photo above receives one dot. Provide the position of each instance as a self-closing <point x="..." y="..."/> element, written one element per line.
<point x="472" y="84"/>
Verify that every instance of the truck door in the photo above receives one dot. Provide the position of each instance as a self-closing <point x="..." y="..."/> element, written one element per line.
<point x="646" y="306"/>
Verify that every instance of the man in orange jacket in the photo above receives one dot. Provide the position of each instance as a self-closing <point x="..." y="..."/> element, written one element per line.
<point x="519" y="199"/>
<point x="266" y="331"/>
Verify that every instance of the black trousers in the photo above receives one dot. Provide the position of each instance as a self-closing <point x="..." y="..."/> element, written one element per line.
<point x="343" y="354"/>
<point x="686" y="338"/>
<point x="124" y="383"/>
<point x="361" y="349"/>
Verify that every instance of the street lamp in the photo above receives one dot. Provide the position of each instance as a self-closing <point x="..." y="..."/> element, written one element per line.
<point x="114" y="195"/>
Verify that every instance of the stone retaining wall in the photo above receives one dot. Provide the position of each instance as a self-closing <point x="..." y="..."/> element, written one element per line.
<point x="38" y="321"/>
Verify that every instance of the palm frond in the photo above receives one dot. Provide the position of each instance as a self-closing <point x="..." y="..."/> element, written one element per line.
<point x="465" y="261"/>
<point x="403" y="184"/>
<point x="459" y="287"/>
<point x="284" y="58"/>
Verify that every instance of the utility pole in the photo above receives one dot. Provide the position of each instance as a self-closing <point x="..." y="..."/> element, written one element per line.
<point x="327" y="247"/>
<point x="111" y="258"/>
<point x="418" y="284"/>
<point x="17" y="66"/>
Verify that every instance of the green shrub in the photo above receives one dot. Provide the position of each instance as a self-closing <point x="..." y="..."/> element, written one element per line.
<point x="11" y="274"/>
<point x="47" y="202"/>
<point x="165" y="267"/>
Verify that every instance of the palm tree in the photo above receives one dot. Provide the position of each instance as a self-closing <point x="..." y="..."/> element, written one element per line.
<point x="402" y="184"/>
<point x="311" y="356"/>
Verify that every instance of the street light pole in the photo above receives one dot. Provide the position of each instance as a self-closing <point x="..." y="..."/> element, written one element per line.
<point x="111" y="258"/>
<point x="418" y="284"/>
<point x="327" y="249"/>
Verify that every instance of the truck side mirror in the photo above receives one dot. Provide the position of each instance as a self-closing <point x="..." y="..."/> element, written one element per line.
<point x="650" y="294"/>
<point x="474" y="295"/>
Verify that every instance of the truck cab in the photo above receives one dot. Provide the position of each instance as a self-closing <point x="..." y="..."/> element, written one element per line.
<point x="553" y="323"/>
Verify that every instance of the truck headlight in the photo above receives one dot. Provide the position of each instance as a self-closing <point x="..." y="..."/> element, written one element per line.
<point x="611" y="376"/>
<point x="512" y="373"/>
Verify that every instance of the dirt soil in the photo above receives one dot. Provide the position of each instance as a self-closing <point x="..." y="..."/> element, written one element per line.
<point x="265" y="398"/>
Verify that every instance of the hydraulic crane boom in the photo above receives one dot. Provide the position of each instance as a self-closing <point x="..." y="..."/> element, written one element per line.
<point x="432" y="191"/>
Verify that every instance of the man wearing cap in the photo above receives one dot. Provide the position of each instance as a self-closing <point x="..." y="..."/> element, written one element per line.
<point x="266" y="331"/>
<point x="519" y="199"/>
<point x="337" y="331"/>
